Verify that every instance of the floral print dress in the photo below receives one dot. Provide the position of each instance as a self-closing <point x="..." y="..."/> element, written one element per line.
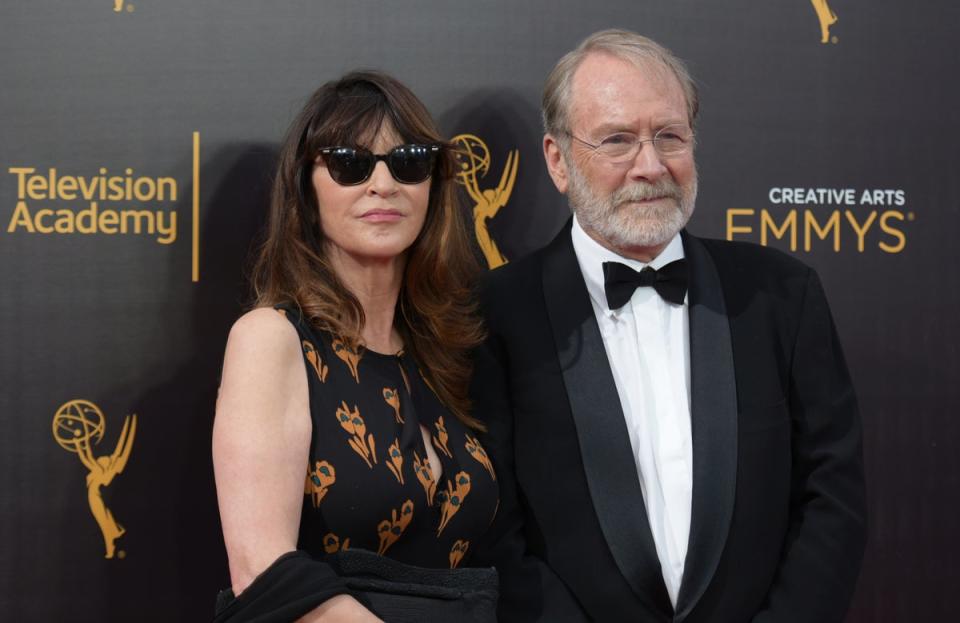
<point x="369" y="483"/>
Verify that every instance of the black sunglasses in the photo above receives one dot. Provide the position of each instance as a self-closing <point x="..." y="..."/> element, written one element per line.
<point x="408" y="164"/>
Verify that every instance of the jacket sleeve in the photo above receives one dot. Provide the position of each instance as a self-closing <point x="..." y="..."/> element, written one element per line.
<point x="529" y="589"/>
<point x="824" y="545"/>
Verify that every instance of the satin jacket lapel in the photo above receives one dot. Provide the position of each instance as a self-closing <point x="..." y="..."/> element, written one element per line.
<point x="714" y="425"/>
<point x="604" y="441"/>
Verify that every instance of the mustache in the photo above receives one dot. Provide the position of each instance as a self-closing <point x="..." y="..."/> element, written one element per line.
<point x="644" y="191"/>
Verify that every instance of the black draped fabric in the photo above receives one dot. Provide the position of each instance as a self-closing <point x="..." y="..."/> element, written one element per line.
<point x="289" y="588"/>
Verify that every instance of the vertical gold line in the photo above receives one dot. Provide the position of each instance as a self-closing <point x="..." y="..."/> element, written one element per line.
<point x="196" y="207"/>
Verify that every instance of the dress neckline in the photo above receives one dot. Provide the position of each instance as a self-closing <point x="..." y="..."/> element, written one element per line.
<point x="369" y="351"/>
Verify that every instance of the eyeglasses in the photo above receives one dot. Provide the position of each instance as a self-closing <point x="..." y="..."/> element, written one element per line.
<point x="669" y="141"/>
<point x="408" y="164"/>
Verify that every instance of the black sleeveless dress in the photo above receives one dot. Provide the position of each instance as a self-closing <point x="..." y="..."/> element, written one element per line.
<point x="369" y="484"/>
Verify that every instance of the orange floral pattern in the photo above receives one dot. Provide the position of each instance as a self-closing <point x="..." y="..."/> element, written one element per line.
<point x="440" y="439"/>
<point x="434" y="490"/>
<point x="458" y="551"/>
<point x="332" y="545"/>
<point x="451" y="500"/>
<point x="351" y="422"/>
<point x="310" y="351"/>
<point x="421" y="467"/>
<point x="476" y="451"/>
<point x="319" y="479"/>
<point x="391" y="529"/>
<point x="349" y="356"/>
<point x="393" y="399"/>
<point x="395" y="460"/>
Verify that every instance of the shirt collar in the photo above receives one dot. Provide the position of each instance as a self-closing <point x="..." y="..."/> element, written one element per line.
<point x="591" y="255"/>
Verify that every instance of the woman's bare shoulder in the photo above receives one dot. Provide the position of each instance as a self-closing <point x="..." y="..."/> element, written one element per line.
<point x="264" y="325"/>
<point x="263" y="358"/>
<point x="263" y="335"/>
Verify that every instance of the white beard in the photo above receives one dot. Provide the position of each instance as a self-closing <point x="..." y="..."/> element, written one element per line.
<point x="626" y="226"/>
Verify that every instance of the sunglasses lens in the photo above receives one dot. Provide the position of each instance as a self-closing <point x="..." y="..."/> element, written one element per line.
<point x="348" y="166"/>
<point x="411" y="164"/>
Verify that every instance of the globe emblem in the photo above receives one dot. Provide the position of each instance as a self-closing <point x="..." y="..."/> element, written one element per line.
<point x="76" y="424"/>
<point x="473" y="157"/>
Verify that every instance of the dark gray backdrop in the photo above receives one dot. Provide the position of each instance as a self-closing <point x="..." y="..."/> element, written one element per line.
<point x="119" y="321"/>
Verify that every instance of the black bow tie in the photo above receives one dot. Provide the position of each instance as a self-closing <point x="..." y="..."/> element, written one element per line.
<point x="619" y="282"/>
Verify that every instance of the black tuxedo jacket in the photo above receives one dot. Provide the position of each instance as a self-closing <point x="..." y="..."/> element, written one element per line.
<point x="778" y="511"/>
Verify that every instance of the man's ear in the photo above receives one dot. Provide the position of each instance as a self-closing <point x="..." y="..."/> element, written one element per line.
<point x="556" y="165"/>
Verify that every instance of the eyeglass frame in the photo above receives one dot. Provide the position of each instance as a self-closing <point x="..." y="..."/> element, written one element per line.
<point x="434" y="149"/>
<point x="689" y="142"/>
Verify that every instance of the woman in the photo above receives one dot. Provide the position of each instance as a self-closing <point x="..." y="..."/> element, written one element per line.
<point x="342" y="421"/>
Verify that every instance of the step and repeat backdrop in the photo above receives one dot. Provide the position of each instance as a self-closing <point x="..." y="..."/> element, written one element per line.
<point x="137" y="143"/>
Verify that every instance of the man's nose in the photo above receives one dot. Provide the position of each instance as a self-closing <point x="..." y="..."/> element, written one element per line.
<point x="647" y="164"/>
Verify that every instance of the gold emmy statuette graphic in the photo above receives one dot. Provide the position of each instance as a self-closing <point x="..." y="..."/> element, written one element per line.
<point x="827" y="18"/>
<point x="77" y="426"/>
<point x="474" y="160"/>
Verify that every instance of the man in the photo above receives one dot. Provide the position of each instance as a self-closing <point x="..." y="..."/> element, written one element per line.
<point x="677" y="445"/>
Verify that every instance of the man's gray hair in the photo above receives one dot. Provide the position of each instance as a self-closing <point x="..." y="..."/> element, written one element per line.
<point x="623" y="44"/>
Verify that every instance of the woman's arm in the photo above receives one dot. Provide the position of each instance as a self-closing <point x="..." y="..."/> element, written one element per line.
<point x="261" y="441"/>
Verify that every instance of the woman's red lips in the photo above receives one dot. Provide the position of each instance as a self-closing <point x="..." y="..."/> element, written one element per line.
<point x="381" y="215"/>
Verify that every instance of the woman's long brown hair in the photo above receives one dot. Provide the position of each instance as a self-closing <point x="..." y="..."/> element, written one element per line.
<point x="436" y="313"/>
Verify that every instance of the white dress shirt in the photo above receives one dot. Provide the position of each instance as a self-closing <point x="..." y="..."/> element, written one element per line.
<point x="648" y="345"/>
